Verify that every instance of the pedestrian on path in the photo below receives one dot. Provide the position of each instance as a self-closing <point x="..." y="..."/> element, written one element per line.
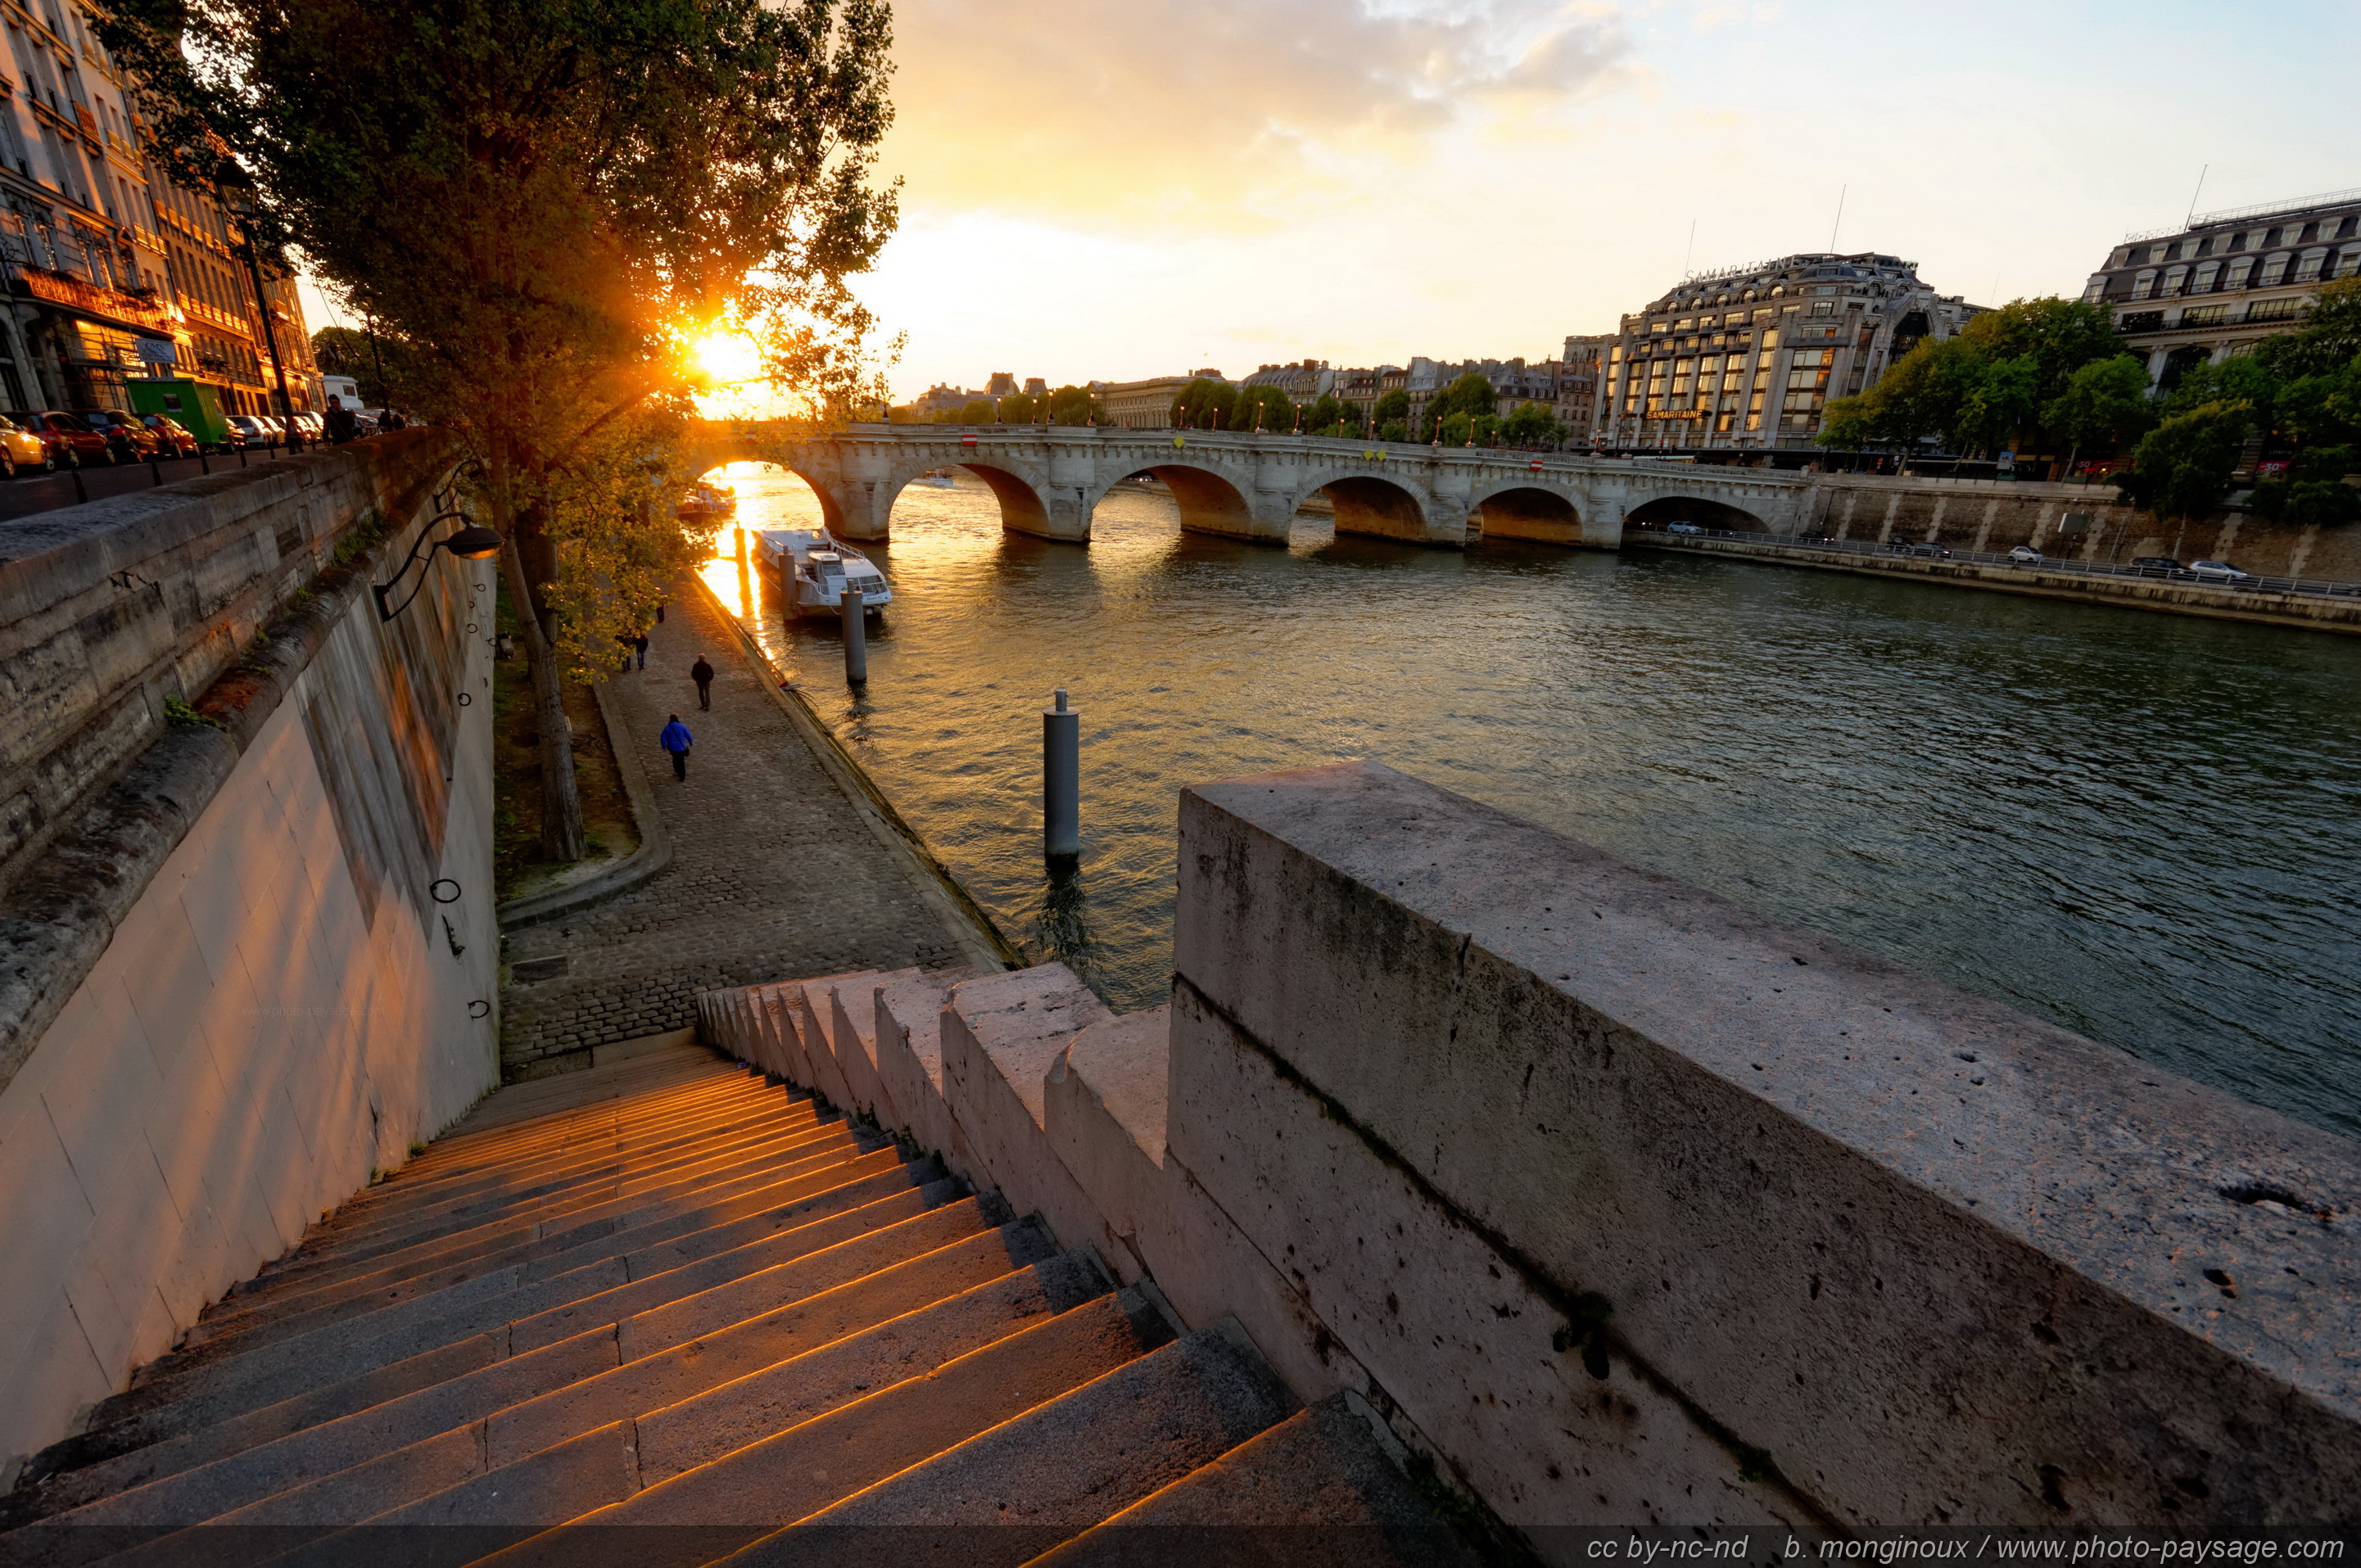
<point x="676" y="740"/>
<point x="641" y="643"/>
<point x="702" y="673"/>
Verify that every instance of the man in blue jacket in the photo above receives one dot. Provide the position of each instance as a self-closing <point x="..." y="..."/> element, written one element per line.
<point x="676" y="739"/>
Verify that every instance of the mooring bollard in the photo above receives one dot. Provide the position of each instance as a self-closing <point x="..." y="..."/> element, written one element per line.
<point x="1062" y="780"/>
<point x="856" y="638"/>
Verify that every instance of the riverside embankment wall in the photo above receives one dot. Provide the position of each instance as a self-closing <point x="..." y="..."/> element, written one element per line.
<point x="248" y="917"/>
<point x="1995" y="516"/>
<point x="1628" y="1206"/>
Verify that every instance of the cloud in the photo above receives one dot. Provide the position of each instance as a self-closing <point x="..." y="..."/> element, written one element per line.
<point x="1221" y="114"/>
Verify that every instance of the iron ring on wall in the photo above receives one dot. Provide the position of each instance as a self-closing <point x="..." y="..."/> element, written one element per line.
<point x="465" y="700"/>
<point x="479" y="1003"/>
<point x="434" y="890"/>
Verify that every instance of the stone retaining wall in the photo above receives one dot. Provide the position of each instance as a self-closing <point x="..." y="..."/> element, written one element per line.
<point x="241" y="971"/>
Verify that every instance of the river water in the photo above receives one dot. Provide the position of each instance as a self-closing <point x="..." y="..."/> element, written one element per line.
<point x="2141" y="827"/>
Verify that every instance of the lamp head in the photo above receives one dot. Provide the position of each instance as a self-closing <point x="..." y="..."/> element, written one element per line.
<point x="474" y="544"/>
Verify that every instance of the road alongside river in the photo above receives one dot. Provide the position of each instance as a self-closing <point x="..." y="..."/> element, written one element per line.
<point x="2142" y="827"/>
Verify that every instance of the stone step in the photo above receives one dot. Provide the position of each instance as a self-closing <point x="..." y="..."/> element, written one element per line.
<point x="814" y="1021"/>
<point x="341" y="1252"/>
<point x="580" y="1092"/>
<point x="460" y="1152"/>
<point x="1320" y="1489"/>
<point x="514" y="1410"/>
<point x="245" y="1334"/>
<point x="1018" y="1489"/>
<point x="907" y="1018"/>
<point x="507" y="1230"/>
<point x="329" y="1247"/>
<point x="101" y="1470"/>
<point x="683" y="1138"/>
<point x="851" y="1012"/>
<point x="673" y="1220"/>
<point x="767" y="1484"/>
<point x="627" y="1223"/>
<point x="528" y="1315"/>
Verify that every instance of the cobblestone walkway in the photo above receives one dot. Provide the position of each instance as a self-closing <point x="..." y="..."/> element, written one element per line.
<point x="774" y="874"/>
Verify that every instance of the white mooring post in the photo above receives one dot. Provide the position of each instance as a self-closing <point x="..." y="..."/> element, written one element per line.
<point x="1062" y="780"/>
<point x="856" y="638"/>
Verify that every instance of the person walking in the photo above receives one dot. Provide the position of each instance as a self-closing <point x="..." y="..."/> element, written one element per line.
<point x="341" y="424"/>
<point x="702" y="673"/>
<point x="640" y="644"/>
<point x="676" y="740"/>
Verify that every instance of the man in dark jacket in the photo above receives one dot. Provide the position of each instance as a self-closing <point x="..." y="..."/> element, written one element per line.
<point x="676" y="739"/>
<point x="702" y="673"/>
<point x="339" y="422"/>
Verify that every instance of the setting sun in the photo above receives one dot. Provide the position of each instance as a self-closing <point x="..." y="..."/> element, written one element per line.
<point x="729" y="356"/>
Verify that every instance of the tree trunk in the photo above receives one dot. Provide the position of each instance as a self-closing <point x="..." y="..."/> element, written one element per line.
<point x="562" y="839"/>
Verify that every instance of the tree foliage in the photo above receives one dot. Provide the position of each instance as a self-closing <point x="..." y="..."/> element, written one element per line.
<point x="1204" y="404"/>
<point x="1264" y="408"/>
<point x="1074" y="405"/>
<point x="1470" y="394"/>
<point x="2183" y="467"/>
<point x="1995" y="386"/>
<point x="1532" y="424"/>
<point x="2299" y="392"/>
<point x="546" y="202"/>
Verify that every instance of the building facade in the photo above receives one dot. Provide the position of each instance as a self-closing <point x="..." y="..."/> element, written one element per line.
<point x="2226" y="280"/>
<point x="1144" y="405"/>
<point x="1746" y="359"/>
<point x="111" y="271"/>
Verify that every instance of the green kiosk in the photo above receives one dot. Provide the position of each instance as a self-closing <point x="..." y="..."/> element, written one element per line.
<point x="190" y="404"/>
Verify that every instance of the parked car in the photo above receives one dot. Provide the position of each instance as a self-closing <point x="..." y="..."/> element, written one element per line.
<point x="1934" y="552"/>
<point x="1683" y="528"/>
<point x="2026" y="555"/>
<point x="2219" y="572"/>
<point x="249" y="431"/>
<point x="311" y="424"/>
<point x="2157" y="566"/>
<point x="20" y="448"/>
<point x="127" y="440"/>
<point x="175" y="440"/>
<point x="70" y="441"/>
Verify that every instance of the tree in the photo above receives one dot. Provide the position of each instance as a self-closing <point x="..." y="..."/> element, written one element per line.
<point x="2183" y="467"/>
<point x="346" y="351"/>
<point x="1393" y="408"/>
<point x="2312" y="490"/>
<point x="2328" y="340"/>
<point x="2106" y="402"/>
<point x="1470" y="394"/>
<point x="547" y="203"/>
<point x="1330" y="415"/>
<point x="1020" y="408"/>
<point x="1532" y="424"/>
<point x="1264" y="408"/>
<point x="1204" y="404"/>
<point x="1988" y="388"/>
<point x="2001" y="401"/>
<point x="1073" y="405"/>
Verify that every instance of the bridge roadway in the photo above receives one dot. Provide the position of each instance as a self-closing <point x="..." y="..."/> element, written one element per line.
<point x="1048" y="479"/>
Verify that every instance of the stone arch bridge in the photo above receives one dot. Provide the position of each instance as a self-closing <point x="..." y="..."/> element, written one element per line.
<point x="1048" y="479"/>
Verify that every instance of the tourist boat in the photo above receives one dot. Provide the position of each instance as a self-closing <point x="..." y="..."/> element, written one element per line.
<point x="938" y="478"/>
<point x="814" y="568"/>
<point x="708" y="501"/>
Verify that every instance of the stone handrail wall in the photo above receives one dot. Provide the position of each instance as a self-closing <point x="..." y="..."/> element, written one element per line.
<point x="1627" y="1205"/>
<point x="254" y="960"/>
<point x="109" y="609"/>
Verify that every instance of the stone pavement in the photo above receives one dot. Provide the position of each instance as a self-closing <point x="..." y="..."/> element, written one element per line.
<point x="775" y="873"/>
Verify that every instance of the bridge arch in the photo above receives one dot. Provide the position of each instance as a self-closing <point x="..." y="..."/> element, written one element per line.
<point x="1384" y="507"/>
<point x="1518" y="509"/>
<point x="1702" y="511"/>
<point x="1209" y="500"/>
<point x="831" y="509"/>
<point x="1023" y="509"/>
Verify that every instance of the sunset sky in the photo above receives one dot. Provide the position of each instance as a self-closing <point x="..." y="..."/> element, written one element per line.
<point x="1129" y="188"/>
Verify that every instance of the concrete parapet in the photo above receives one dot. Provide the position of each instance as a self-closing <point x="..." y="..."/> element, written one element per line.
<point x="1630" y="1206"/>
<point x="1891" y="1254"/>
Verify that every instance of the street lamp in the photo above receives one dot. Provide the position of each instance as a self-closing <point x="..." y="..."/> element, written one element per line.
<point x="473" y="541"/>
<point x="241" y="203"/>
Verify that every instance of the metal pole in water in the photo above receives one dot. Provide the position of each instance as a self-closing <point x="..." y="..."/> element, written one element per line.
<point x="856" y="640"/>
<point x="1062" y="780"/>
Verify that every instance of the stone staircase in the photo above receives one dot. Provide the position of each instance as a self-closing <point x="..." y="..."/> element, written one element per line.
<point x="674" y="1290"/>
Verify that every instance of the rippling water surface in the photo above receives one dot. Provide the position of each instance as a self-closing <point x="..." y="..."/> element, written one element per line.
<point x="2139" y="825"/>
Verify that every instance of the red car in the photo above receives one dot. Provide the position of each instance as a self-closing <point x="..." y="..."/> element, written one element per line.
<point x="127" y="440"/>
<point x="72" y="441"/>
<point x="175" y="440"/>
